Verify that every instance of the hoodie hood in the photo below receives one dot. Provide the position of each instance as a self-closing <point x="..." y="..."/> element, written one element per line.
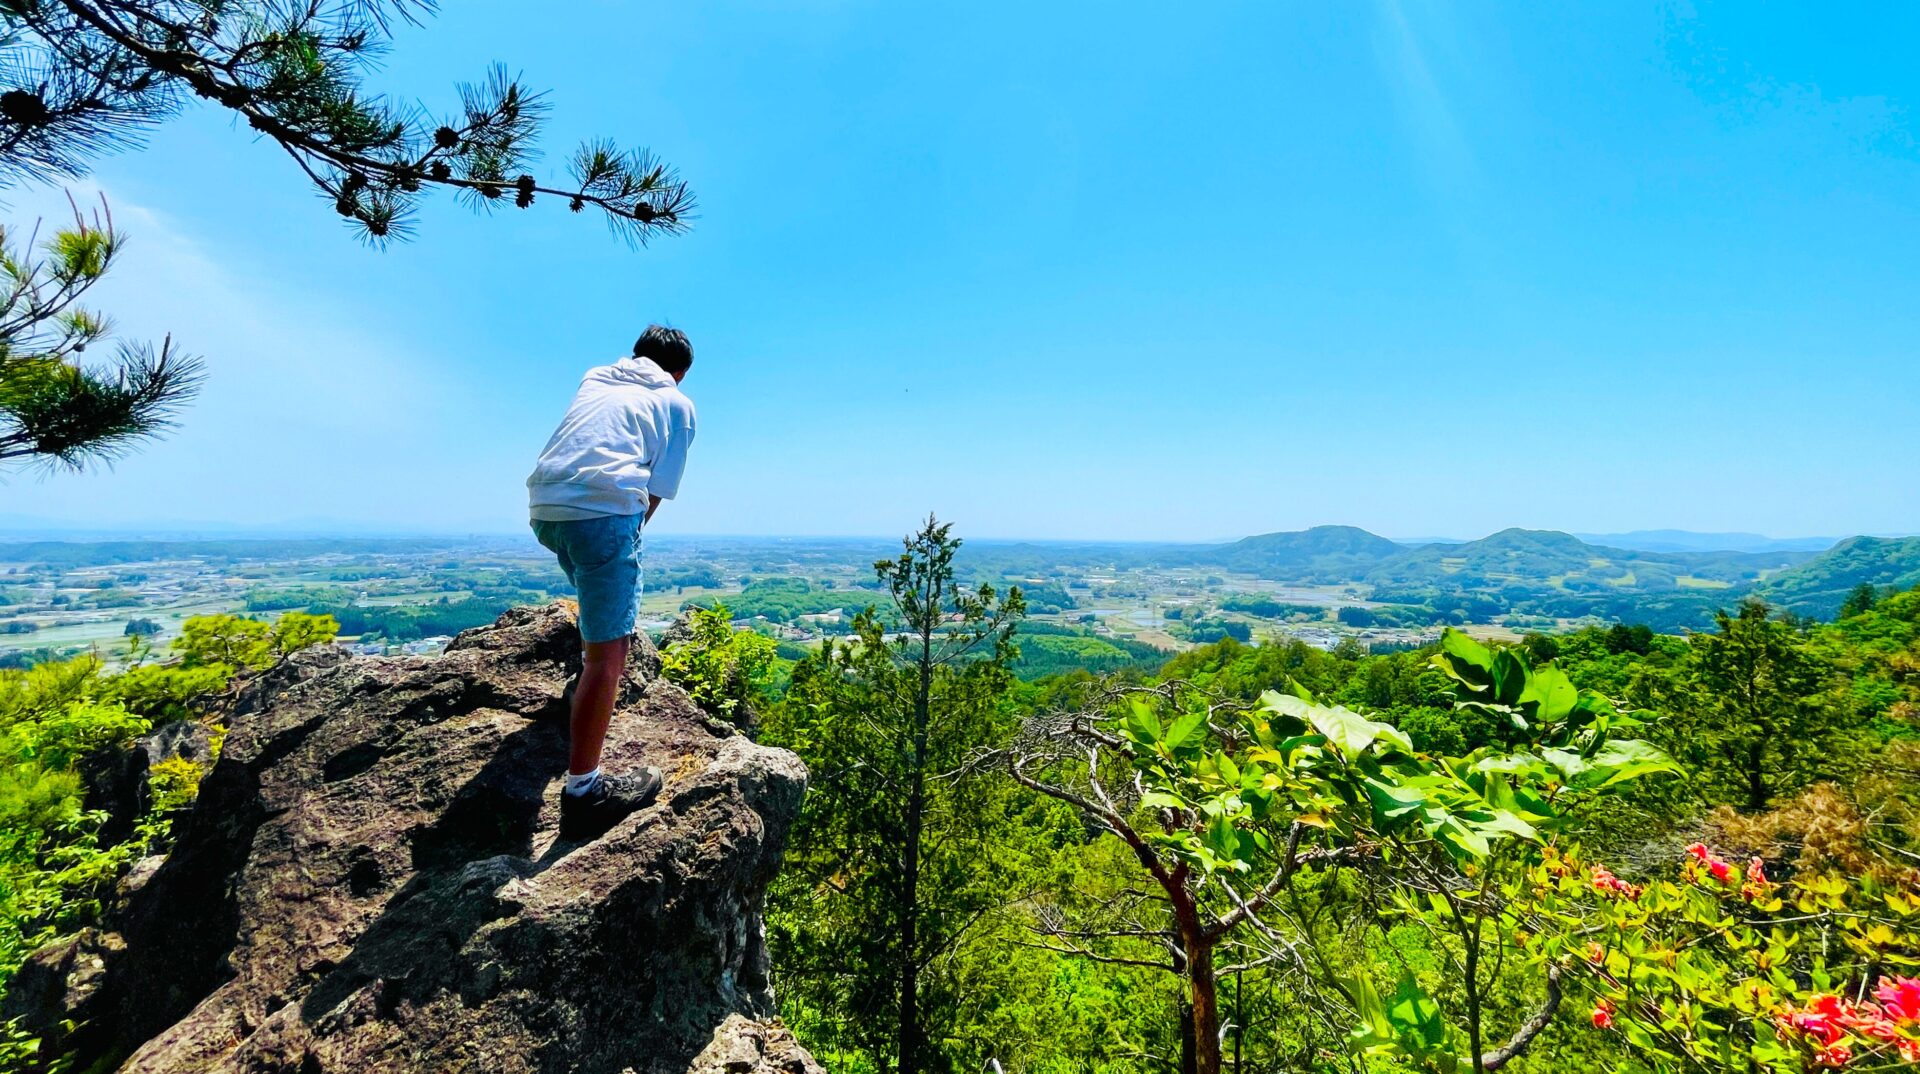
<point x="634" y="371"/>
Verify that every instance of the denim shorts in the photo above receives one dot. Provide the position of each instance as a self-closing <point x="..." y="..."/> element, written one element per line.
<point x="601" y="557"/>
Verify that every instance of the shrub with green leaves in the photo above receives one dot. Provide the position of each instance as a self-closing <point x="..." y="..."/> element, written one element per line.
<point x="726" y="671"/>
<point x="1295" y="833"/>
<point x="1713" y="965"/>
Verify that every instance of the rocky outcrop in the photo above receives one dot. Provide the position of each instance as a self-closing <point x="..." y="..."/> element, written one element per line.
<point x="118" y="782"/>
<point x="370" y="881"/>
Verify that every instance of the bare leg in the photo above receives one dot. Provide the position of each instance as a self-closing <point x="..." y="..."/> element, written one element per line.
<point x="593" y="698"/>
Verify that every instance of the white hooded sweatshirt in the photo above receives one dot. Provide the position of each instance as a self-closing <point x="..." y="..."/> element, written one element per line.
<point x="625" y="437"/>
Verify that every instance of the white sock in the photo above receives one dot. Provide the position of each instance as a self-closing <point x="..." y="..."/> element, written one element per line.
<point x="583" y="782"/>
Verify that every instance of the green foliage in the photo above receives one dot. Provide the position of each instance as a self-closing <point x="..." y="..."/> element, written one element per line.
<point x="1753" y="711"/>
<point x="1206" y="631"/>
<point x="1434" y="791"/>
<point x="899" y="851"/>
<point x="261" y="599"/>
<point x="785" y="600"/>
<point x="1398" y="615"/>
<point x="699" y="577"/>
<point x="54" y="872"/>
<point x="1047" y="649"/>
<point x="1267" y="607"/>
<point x="1722" y="968"/>
<point x="408" y="622"/>
<point x="1046" y="598"/>
<point x="727" y="672"/>
<point x="237" y="643"/>
<point x="1226" y="806"/>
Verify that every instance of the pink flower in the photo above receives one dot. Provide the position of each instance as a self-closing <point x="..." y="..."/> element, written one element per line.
<point x="1719" y="869"/>
<point x="1757" y="871"/>
<point x="1900" y="998"/>
<point x="1610" y="885"/>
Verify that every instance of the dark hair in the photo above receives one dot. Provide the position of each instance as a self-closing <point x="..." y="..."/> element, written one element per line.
<point x="668" y="347"/>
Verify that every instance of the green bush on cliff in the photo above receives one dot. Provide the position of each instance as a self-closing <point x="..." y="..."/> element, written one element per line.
<point x="53" y="868"/>
<point x="727" y="672"/>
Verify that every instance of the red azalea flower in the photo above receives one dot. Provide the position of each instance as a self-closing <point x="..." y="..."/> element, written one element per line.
<point x="1603" y="1015"/>
<point x="1610" y="885"/>
<point x="1719" y="869"/>
<point x="1838" y="1055"/>
<point x="1900" y="998"/>
<point x="1873" y="1026"/>
<point x="1822" y="1020"/>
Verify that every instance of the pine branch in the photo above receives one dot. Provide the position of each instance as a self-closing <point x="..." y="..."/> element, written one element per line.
<point x="68" y="415"/>
<point x="79" y="78"/>
<point x="54" y="409"/>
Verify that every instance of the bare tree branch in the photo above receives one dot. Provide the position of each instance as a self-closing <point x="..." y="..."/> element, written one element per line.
<point x="1523" y="1037"/>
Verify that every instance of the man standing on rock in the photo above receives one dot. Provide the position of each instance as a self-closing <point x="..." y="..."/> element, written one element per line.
<point x="619" y="451"/>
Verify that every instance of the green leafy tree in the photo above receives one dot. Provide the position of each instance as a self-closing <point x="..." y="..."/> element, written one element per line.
<point x="236" y="643"/>
<point x="1752" y="711"/>
<point x="1860" y="600"/>
<point x="54" y="868"/>
<point x="892" y="861"/>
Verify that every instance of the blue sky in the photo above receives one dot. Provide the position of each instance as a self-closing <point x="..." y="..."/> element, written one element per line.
<point x="1076" y="270"/>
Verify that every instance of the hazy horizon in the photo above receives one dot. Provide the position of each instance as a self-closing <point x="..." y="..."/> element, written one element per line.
<point x="17" y="528"/>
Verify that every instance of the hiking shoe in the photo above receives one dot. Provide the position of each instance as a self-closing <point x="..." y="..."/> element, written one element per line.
<point x="610" y="801"/>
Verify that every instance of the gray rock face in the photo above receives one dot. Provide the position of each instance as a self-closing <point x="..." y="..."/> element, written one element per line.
<point x="370" y="881"/>
<point x="119" y="784"/>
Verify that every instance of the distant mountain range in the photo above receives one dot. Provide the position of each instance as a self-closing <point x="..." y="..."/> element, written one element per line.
<point x="1689" y="541"/>
<point x="1548" y="573"/>
<point x="1668" y="579"/>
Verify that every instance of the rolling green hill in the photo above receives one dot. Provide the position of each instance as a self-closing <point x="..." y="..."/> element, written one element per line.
<point x="1566" y="562"/>
<point x="1549" y="573"/>
<point x="1320" y="554"/>
<point x="1817" y="586"/>
<point x="1516" y="571"/>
